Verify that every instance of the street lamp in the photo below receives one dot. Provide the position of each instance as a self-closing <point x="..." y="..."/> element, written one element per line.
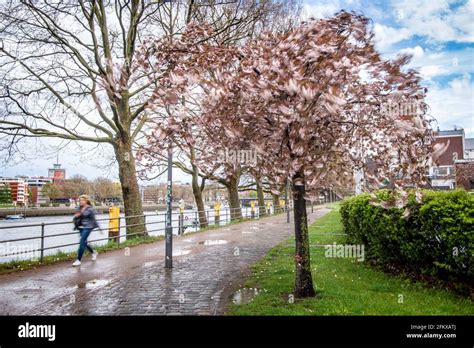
<point x="287" y="188"/>
<point x="169" y="215"/>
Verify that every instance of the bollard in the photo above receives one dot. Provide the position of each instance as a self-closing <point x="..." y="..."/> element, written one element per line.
<point x="252" y="210"/>
<point x="114" y="224"/>
<point x="217" y="211"/>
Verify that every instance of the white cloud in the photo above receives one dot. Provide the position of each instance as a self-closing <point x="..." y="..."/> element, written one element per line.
<point x="433" y="64"/>
<point x="321" y="10"/>
<point x="435" y="19"/>
<point x="430" y="71"/>
<point x="416" y="52"/>
<point x="454" y="104"/>
<point x="386" y="36"/>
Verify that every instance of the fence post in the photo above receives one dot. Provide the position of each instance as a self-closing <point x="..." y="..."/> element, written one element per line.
<point x="118" y="229"/>
<point x="196" y="219"/>
<point x="144" y="223"/>
<point x="42" y="242"/>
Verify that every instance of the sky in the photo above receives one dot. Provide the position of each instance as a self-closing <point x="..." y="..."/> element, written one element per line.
<point x="439" y="34"/>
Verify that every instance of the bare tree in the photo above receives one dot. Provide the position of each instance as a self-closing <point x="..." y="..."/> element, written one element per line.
<point x="67" y="71"/>
<point x="233" y="23"/>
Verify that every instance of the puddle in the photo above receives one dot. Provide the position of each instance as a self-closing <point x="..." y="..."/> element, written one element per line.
<point x="150" y="263"/>
<point x="254" y="228"/>
<point x="244" y="295"/>
<point x="247" y="232"/>
<point x="180" y="252"/>
<point x="213" y="242"/>
<point x="96" y="283"/>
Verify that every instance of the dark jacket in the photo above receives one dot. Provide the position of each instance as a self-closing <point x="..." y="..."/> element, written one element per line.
<point x="86" y="219"/>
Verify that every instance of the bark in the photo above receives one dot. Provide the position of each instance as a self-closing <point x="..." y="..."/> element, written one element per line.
<point x="276" y="204"/>
<point x="303" y="281"/>
<point x="197" y="192"/>
<point x="130" y="191"/>
<point x="234" y="201"/>
<point x="261" y="200"/>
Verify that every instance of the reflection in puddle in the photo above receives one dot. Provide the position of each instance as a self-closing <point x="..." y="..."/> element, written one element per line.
<point x="247" y="232"/>
<point x="95" y="283"/>
<point x="213" y="242"/>
<point x="255" y="228"/>
<point x="244" y="295"/>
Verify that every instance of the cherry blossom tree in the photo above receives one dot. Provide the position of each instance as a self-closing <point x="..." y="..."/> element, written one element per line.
<point x="193" y="157"/>
<point x="318" y="102"/>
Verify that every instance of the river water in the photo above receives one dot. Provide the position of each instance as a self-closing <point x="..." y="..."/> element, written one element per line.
<point x="28" y="249"/>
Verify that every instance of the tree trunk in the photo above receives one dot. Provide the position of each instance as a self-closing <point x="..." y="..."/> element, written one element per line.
<point x="303" y="278"/>
<point x="131" y="194"/>
<point x="199" y="201"/>
<point x="276" y="204"/>
<point x="234" y="201"/>
<point x="261" y="200"/>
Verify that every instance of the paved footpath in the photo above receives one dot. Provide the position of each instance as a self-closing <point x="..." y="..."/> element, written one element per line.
<point x="208" y="266"/>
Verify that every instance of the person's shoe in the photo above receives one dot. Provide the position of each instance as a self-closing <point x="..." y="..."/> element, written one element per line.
<point x="94" y="255"/>
<point x="76" y="263"/>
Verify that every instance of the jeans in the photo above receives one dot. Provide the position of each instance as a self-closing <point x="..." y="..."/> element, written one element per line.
<point x="84" y="232"/>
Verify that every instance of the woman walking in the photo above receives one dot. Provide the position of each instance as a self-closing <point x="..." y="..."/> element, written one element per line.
<point x="84" y="220"/>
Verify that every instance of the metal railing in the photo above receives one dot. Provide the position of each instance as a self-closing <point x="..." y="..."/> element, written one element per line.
<point x="227" y="216"/>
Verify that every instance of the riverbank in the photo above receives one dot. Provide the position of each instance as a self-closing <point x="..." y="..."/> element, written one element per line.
<point x="65" y="211"/>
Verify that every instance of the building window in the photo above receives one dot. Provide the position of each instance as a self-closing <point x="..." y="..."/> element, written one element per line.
<point x="443" y="171"/>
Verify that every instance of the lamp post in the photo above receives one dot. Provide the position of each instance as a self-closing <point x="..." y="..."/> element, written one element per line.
<point x="287" y="202"/>
<point x="169" y="215"/>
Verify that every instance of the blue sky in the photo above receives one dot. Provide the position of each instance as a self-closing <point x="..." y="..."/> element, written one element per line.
<point x="439" y="34"/>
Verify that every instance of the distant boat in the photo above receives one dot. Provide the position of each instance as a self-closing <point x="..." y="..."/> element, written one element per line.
<point x="14" y="217"/>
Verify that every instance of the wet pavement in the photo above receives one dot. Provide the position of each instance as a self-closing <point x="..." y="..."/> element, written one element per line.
<point x="207" y="269"/>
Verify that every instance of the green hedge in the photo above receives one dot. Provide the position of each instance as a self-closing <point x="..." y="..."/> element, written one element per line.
<point x="437" y="239"/>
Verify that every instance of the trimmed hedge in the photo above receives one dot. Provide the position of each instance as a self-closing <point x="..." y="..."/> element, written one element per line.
<point x="437" y="239"/>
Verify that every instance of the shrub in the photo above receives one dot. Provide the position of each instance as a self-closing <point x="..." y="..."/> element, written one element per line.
<point x="437" y="239"/>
